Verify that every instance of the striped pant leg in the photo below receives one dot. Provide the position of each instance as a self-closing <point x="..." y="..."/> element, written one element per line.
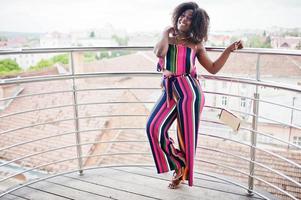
<point x="165" y="155"/>
<point x="189" y="105"/>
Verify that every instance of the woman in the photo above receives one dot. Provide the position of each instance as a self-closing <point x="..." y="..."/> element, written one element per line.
<point x="182" y="97"/>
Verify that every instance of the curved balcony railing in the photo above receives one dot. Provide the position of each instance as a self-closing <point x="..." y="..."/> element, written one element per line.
<point x="255" y="172"/>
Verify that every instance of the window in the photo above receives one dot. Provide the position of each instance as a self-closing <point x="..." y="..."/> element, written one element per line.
<point x="297" y="140"/>
<point x="224" y="100"/>
<point x="243" y="102"/>
<point x="224" y="84"/>
<point x="264" y="139"/>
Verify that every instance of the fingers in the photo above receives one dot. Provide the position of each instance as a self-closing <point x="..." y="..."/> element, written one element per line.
<point x="239" y="44"/>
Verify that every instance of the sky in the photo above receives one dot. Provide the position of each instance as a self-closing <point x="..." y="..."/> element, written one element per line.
<point x="142" y="15"/>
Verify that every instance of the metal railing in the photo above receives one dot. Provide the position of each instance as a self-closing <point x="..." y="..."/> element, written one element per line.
<point x="77" y="132"/>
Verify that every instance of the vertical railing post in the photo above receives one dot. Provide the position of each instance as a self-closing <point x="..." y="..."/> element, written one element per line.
<point x="76" y="121"/>
<point x="291" y="122"/>
<point x="253" y="132"/>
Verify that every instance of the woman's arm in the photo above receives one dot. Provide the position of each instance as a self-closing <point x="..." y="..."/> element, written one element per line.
<point x="214" y="67"/>
<point x="161" y="47"/>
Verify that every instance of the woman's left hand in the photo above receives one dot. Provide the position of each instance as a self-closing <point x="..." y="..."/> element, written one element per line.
<point x="235" y="45"/>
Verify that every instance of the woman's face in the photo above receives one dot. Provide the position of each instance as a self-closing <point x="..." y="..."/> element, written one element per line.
<point x="184" y="21"/>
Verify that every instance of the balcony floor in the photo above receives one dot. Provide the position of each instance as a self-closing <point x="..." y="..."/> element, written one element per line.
<point x="127" y="183"/>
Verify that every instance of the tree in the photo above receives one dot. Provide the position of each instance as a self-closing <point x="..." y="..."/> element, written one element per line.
<point x="3" y="38"/>
<point x="42" y="64"/>
<point x="92" y="34"/>
<point x="7" y="65"/>
<point x="298" y="46"/>
<point x="63" y="58"/>
<point x="121" y="41"/>
<point x="259" y="42"/>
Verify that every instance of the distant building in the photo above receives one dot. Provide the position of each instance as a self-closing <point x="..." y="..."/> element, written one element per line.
<point x="143" y="39"/>
<point x="3" y="44"/>
<point x="90" y="42"/>
<point x="287" y="42"/>
<point x="55" y="39"/>
<point x="218" y="40"/>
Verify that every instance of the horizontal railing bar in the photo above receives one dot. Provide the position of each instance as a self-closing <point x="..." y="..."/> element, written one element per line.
<point x="68" y="119"/>
<point x="223" y="138"/>
<point x="35" y="140"/>
<point x="46" y="151"/>
<point x="237" y="111"/>
<point x="79" y="104"/>
<point x="267" y="135"/>
<point x="145" y="73"/>
<point x="38" y="153"/>
<point x="279" y="122"/>
<point x="62" y="134"/>
<point x="278" y="104"/>
<point x="76" y="76"/>
<point x="261" y="51"/>
<point x="102" y="129"/>
<point x="17" y="196"/>
<point x="251" y="98"/>
<point x="289" y="125"/>
<point x="36" y="109"/>
<point x="132" y="88"/>
<point x="118" y="88"/>
<point x="73" y="49"/>
<point x="33" y="125"/>
<point x="120" y="102"/>
<point x="252" y="82"/>
<point x="234" y="183"/>
<point x="255" y="177"/>
<point x="78" y="90"/>
<point x="143" y="153"/>
<point x="135" y="88"/>
<point x="35" y="94"/>
<point x="94" y="116"/>
<point x="73" y="158"/>
<point x="256" y="147"/>
<point x="280" y="157"/>
<point x="215" y="122"/>
<point x="230" y="95"/>
<point x="255" y="162"/>
<point x="139" y="88"/>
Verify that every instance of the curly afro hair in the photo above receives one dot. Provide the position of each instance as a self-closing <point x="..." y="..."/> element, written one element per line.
<point x="200" y="21"/>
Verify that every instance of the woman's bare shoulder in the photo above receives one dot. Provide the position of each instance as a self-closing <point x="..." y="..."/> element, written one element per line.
<point x="200" y="47"/>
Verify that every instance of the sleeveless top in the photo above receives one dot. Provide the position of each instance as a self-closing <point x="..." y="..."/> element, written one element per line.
<point x="179" y="60"/>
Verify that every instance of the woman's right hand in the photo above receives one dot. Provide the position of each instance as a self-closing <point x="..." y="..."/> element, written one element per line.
<point x="161" y="47"/>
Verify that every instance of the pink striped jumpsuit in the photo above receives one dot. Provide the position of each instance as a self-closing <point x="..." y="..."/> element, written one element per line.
<point x="182" y="99"/>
